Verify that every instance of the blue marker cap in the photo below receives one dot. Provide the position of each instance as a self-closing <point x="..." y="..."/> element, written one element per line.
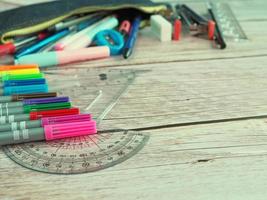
<point x="26" y="89"/>
<point x="38" y="81"/>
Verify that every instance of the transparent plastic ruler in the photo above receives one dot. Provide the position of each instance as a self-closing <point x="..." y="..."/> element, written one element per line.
<point x="228" y="23"/>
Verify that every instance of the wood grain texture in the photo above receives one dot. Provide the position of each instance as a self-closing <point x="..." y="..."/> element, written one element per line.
<point x="218" y="161"/>
<point x="181" y="84"/>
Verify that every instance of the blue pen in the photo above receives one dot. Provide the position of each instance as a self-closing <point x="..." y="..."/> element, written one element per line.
<point x="42" y="43"/>
<point x="130" y="42"/>
<point x="25" y="89"/>
<point x="10" y="83"/>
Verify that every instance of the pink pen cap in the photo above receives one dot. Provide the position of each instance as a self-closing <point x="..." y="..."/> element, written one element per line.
<point x="60" y="131"/>
<point x="65" y="119"/>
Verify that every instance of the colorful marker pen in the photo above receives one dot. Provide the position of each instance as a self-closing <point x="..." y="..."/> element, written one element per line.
<point x="10" y="83"/>
<point x="35" y="115"/>
<point x="36" y="107"/>
<point x="48" y="59"/>
<point x="44" y="122"/>
<point x="87" y="37"/>
<point x="49" y="132"/>
<point x="34" y="102"/>
<point x="20" y="97"/>
<point x="25" y="89"/>
<point x="20" y="71"/>
<point x="9" y="77"/>
<point x="17" y="67"/>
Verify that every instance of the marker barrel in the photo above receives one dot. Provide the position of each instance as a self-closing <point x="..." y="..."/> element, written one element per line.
<point x="34" y="101"/>
<point x="14" y="118"/>
<point x="25" y="89"/>
<point x="49" y="132"/>
<point x="44" y="122"/>
<point x="20" y="136"/>
<point x="20" y="97"/>
<point x="35" y="115"/>
<point x="37" y="107"/>
<point x="20" y="125"/>
<point x="48" y="59"/>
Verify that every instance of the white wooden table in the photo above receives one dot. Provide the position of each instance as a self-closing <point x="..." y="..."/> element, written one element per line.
<point x="205" y="111"/>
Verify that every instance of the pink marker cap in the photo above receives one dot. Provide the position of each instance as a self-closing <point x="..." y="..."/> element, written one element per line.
<point x="60" y="131"/>
<point x="65" y="119"/>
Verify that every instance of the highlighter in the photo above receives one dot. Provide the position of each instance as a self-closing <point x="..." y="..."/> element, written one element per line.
<point x="44" y="122"/>
<point x="35" y="115"/>
<point x="34" y="107"/>
<point x="20" y="97"/>
<point x="53" y="58"/>
<point x="49" y="132"/>
<point x="85" y="39"/>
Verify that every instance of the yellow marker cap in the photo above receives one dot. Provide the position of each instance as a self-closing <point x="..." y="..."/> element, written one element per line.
<point x="21" y="71"/>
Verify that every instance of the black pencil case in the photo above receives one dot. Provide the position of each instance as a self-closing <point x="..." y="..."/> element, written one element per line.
<point x="35" y="18"/>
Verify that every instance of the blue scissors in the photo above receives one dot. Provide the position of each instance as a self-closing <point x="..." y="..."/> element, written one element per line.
<point x="111" y="38"/>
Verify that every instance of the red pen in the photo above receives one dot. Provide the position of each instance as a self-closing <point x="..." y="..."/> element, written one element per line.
<point x="11" y="48"/>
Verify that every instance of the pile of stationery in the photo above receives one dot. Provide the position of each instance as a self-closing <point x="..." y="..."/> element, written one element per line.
<point x="103" y="34"/>
<point x="29" y="112"/>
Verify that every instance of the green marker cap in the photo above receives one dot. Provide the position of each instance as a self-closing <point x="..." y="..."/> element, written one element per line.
<point x="48" y="106"/>
<point x="7" y="77"/>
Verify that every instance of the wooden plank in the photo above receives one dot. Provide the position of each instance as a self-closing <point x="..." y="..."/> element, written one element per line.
<point x="174" y="93"/>
<point x="222" y="161"/>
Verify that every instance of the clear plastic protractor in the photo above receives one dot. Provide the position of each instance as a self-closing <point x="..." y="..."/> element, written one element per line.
<point x="80" y="154"/>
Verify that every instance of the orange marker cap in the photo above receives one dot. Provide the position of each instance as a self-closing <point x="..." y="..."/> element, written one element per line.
<point x="17" y="67"/>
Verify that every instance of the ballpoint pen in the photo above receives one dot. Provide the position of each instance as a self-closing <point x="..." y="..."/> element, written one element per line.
<point x="130" y="42"/>
<point x="44" y="42"/>
<point x="11" y="48"/>
<point x="45" y="121"/>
